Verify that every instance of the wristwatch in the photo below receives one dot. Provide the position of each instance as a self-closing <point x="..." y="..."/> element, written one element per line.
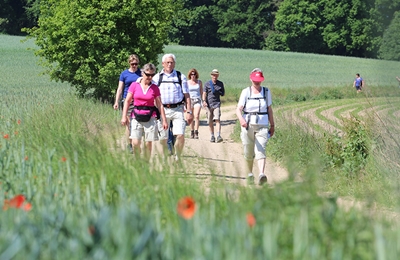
<point x="189" y="112"/>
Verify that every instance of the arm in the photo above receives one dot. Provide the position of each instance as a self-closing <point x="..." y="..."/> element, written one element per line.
<point x="201" y="90"/>
<point x="118" y="94"/>
<point x="128" y="100"/>
<point x="189" y="117"/>
<point x="204" y="96"/>
<point x="271" y="121"/>
<point x="239" y="111"/>
<point x="162" y="112"/>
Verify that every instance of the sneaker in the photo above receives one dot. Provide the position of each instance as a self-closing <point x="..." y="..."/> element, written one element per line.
<point x="196" y="134"/>
<point x="192" y="134"/>
<point x="250" y="179"/>
<point x="219" y="139"/>
<point x="212" y="139"/>
<point x="262" y="179"/>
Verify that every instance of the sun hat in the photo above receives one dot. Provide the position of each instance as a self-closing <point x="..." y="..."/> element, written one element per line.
<point x="257" y="75"/>
<point x="214" y="72"/>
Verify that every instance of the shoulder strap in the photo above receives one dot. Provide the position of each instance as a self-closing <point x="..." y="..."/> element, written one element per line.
<point x="212" y="86"/>
<point x="178" y="74"/>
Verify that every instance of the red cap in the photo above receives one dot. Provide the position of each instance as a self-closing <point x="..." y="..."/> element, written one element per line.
<point x="257" y="76"/>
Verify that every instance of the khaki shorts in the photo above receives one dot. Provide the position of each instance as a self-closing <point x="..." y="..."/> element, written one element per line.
<point x="254" y="141"/>
<point x="176" y="115"/>
<point x="149" y="129"/>
<point x="130" y="108"/>
<point x="213" y="114"/>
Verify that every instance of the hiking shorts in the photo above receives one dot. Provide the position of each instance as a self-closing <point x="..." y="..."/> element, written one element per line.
<point x="196" y="102"/>
<point x="254" y="140"/>
<point x="148" y="128"/>
<point x="213" y="114"/>
<point x="130" y="108"/>
<point x="176" y="115"/>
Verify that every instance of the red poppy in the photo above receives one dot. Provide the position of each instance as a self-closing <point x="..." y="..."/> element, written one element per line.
<point x="186" y="207"/>
<point x="6" y="136"/>
<point x="17" y="202"/>
<point x="251" y="220"/>
<point x="26" y="158"/>
<point x="63" y="159"/>
<point x="19" y="121"/>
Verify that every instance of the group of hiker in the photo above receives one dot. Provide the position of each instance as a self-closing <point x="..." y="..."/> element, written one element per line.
<point x="159" y="105"/>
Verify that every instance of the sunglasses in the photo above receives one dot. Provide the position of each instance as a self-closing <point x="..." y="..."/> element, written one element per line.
<point x="193" y="74"/>
<point x="149" y="74"/>
<point x="134" y="64"/>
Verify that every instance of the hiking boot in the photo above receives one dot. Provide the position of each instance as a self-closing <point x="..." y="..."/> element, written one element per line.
<point x="212" y="139"/>
<point x="196" y="134"/>
<point x="219" y="139"/>
<point x="262" y="179"/>
<point x="192" y="134"/>
<point x="250" y="179"/>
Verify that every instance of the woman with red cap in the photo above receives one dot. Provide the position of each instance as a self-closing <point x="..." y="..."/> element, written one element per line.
<point x="256" y="118"/>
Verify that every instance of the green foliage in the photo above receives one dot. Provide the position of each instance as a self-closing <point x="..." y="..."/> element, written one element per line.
<point x="351" y="151"/>
<point x="328" y="27"/>
<point x="87" y="43"/>
<point x="390" y="49"/>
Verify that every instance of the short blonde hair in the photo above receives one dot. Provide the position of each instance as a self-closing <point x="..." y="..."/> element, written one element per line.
<point x="133" y="57"/>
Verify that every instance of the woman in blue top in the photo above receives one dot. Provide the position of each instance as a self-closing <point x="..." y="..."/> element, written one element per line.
<point x="358" y="83"/>
<point x="125" y="80"/>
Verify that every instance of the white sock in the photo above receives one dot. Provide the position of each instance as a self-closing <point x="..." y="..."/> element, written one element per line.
<point x="250" y="174"/>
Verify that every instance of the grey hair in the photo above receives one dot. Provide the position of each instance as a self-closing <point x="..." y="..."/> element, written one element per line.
<point x="256" y="70"/>
<point x="168" y="55"/>
<point x="148" y="67"/>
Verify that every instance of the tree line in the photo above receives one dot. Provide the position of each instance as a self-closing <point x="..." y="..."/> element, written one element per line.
<point x="361" y="28"/>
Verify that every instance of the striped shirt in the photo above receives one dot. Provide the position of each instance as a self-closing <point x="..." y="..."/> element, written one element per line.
<point x="171" y="91"/>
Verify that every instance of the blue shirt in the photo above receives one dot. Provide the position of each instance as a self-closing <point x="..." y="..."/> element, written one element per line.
<point x="128" y="77"/>
<point x="358" y="82"/>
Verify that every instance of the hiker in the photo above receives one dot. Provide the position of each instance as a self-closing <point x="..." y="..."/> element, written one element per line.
<point x="256" y="119"/>
<point x="146" y="97"/>
<point x="213" y="90"/>
<point x="195" y="92"/>
<point x="174" y="96"/>
<point x="125" y="80"/>
<point x="358" y="83"/>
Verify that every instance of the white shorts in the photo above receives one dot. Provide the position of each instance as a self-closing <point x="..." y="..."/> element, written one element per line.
<point x="176" y="115"/>
<point x="149" y="129"/>
<point x="195" y="102"/>
<point x="254" y="141"/>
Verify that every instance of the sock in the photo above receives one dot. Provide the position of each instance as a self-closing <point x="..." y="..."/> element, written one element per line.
<point x="212" y="134"/>
<point x="218" y="134"/>
<point x="250" y="174"/>
<point x="261" y="174"/>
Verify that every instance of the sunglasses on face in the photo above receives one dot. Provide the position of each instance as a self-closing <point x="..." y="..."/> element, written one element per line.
<point x="134" y="64"/>
<point x="149" y="74"/>
<point x="193" y="74"/>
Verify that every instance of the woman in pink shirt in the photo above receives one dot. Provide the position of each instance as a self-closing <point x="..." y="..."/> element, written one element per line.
<point x="147" y="103"/>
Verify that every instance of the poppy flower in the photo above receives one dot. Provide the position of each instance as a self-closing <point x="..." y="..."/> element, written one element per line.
<point x="63" y="159"/>
<point x="26" y="158"/>
<point x="19" y="121"/>
<point x="251" y="220"/>
<point x="186" y="207"/>
<point x="6" y="136"/>
<point x="17" y="202"/>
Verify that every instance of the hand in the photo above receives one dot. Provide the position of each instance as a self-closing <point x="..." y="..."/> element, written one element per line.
<point x="271" y="131"/>
<point x="165" y="125"/>
<point x="243" y="123"/>
<point x="123" y="120"/>
<point x="116" y="106"/>
<point x="204" y="103"/>
<point x="189" y="118"/>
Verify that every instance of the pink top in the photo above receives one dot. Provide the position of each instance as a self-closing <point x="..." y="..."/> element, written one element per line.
<point x="143" y="98"/>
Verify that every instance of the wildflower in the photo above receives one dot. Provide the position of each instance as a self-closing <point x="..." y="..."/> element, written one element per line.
<point x="6" y="136"/>
<point x="63" y="159"/>
<point x="17" y="202"/>
<point x="251" y="220"/>
<point x="19" y="121"/>
<point x="26" y="158"/>
<point x="186" y="207"/>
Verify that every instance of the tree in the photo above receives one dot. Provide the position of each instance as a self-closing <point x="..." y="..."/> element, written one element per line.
<point x="245" y="23"/>
<point x="13" y="16"/>
<point x="87" y="43"/>
<point x="328" y="26"/>
<point x="390" y="48"/>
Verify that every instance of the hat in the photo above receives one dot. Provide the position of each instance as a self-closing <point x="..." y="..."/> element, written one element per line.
<point x="214" y="72"/>
<point x="257" y="76"/>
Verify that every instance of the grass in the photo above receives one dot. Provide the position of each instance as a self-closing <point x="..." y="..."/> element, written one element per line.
<point x="90" y="200"/>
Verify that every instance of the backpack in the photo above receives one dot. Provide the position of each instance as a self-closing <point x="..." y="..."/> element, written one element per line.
<point x="265" y="97"/>
<point x="178" y="74"/>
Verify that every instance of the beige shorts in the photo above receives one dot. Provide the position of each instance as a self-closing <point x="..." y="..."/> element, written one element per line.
<point x="176" y="115"/>
<point x="149" y="129"/>
<point x="213" y="114"/>
<point x="254" y="141"/>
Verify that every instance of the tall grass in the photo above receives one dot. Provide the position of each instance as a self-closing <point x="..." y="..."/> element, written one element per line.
<point x="91" y="200"/>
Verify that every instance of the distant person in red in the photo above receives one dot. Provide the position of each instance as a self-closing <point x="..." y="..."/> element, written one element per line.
<point x="358" y="83"/>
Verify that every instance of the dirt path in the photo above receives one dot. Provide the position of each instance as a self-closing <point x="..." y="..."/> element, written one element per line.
<point x="223" y="161"/>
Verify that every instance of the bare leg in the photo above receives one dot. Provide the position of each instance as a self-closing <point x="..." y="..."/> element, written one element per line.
<point x="136" y="146"/>
<point x="147" y="150"/>
<point x="179" y="143"/>
<point x="196" y="120"/>
<point x="218" y="126"/>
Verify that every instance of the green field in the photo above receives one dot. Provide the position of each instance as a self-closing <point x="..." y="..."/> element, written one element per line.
<point x="90" y="200"/>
